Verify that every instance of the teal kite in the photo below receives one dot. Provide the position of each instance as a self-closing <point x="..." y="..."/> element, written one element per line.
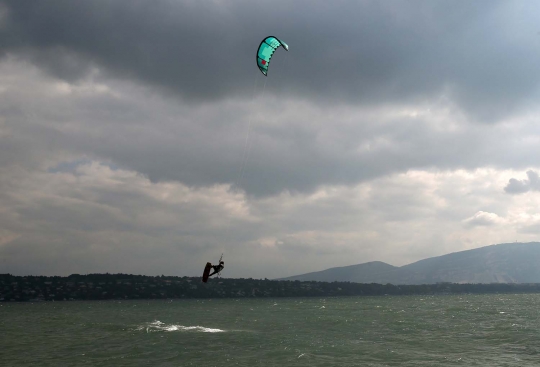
<point x="266" y="49"/>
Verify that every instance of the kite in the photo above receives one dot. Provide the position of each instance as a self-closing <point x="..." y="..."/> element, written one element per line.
<point x="266" y="49"/>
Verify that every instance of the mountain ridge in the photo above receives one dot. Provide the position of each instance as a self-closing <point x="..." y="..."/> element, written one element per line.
<point x="500" y="263"/>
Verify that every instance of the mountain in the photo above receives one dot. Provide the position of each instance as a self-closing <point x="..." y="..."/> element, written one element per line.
<point x="361" y="273"/>
<point x="503" y="263"/>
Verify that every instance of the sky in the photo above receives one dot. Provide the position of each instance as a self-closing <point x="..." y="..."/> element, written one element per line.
<point x="140" y="137"/>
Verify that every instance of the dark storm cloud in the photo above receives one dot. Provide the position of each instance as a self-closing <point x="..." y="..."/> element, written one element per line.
<point x="483" y="54"/>
<point x="532" y="183"/>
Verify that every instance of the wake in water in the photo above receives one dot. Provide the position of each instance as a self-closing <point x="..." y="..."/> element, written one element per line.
<point x="158" y="326"/>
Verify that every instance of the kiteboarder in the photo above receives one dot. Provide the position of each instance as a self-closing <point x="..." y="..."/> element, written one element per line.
<point x="217" y="268"/>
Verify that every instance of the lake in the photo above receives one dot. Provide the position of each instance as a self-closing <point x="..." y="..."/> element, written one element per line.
<point x="446" y="330"/>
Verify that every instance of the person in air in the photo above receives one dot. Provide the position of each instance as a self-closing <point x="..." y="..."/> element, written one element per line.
<point x="217" y="268"/>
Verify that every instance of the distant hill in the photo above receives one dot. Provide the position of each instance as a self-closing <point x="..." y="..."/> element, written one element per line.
<point x="504" y="263"/>
<point x="361" y="273"/>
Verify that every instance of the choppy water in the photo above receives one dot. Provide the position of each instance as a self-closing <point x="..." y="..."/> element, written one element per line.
<point x="470" y="330"/>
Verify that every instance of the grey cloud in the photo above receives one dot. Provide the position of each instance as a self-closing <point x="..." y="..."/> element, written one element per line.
<point x="481" y="54"/>
<point x="97" y="218"/>
<point x="516" y="186"/>
<point x="107" y="220"/>
<point x="482" y="219"/>
<point x="296" y="148"/>
<point x="533" y="229"/>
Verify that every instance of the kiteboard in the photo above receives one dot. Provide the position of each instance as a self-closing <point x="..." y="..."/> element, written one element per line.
<point x="206" y="273"/>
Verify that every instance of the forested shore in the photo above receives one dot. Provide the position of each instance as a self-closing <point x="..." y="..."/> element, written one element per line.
<point x="126" y="286"/>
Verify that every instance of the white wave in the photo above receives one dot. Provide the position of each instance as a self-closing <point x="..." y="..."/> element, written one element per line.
<point x="195" y="328"/>
<point x="157" y="326"/>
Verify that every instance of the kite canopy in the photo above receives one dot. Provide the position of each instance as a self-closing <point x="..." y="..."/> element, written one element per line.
<point x="266" y="49"/>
